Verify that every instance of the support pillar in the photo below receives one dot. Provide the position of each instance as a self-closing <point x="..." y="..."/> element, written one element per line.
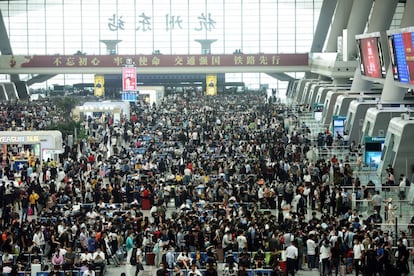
<point x="342" y="11"/>
<point x="391" y="92"/>
<point x="380" y="20"/>
<point x="205" y="45"/>
<point x="111" y="46"/>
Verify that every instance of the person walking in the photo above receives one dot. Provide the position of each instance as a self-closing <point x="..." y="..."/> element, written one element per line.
<point x="129" y="245"/>
<point x="377" y="202"/>
<point x="291" y="258"/>
<point x="311" y="252"/>
<point x="325" y="256"/>
<point x="358" y="256"/>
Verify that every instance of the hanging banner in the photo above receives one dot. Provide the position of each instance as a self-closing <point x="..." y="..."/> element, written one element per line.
<point x="211" y="85"/>
<point x="129" y="79"/>
<point x="99" y="86"/>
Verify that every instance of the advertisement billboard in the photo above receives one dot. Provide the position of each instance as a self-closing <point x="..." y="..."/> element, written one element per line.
<point x="211" y="85"/>
<point x="371" y="58"/>
<point x="129" y="79"/>
<point x="99" y="86"/>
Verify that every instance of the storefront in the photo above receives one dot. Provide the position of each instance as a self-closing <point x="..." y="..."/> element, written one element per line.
<point x="98" y="110"/>
<point x="27" y="146"/>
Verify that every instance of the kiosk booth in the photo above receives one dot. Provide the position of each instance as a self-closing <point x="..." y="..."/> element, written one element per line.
<point x="27" y="146"/>
<point x="151" y="94"/>
<point x="355" y="118"/>
<point x="309" y="91"/>
<point x="318" y="95"/>
<point x="398" y="150"/>
<point x="378" y="118"/>
<point x="116" y="109"/>
<point x="331" y="100"/>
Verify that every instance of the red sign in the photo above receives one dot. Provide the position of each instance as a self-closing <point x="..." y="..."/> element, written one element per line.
<point x="142" y="61"/>
<point x="129" y="79"/>
<point x="370" y="57"/>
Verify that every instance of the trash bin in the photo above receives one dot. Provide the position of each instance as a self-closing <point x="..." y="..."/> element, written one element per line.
<point x="150" y="258"/>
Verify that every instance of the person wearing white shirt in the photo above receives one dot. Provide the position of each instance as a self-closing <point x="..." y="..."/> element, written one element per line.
<point x="194" y="271"/>
<point x="324" y="256"/>
<point x="39" y="239"/>
<point x="85" y="257"/>
<point x="403" y="186"/>
<point x="89" y="271"/>
<point x="311" y="248"/>
<point x="291" y="258"/>
<point x="358" y="251"/>
<point x="241" y="241"/>
<point x="183" y="259"/>
<point x="61" y="228"/>
<point x="98" y="258"/>
<point x="7" y="260"/>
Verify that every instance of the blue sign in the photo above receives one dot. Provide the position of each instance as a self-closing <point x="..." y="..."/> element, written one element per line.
<point x="129" y="96"/>
<point x="20" y="164"/>
<point x="401" y="59"/>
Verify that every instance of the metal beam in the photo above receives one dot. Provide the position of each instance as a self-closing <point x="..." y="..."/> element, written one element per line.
<point x="5" y="46"/>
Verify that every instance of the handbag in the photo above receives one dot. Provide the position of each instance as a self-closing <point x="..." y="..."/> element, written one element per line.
<point x="140" y="266"/>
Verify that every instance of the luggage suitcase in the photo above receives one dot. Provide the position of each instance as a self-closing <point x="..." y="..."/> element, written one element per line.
<point x="342" y="270"/>
<point x="115" y="260"/>
<point x="150" y="258"/>
<point x="146" y="204"/>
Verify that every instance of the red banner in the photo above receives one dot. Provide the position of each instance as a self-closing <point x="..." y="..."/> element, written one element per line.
<point x="142" y="61"/>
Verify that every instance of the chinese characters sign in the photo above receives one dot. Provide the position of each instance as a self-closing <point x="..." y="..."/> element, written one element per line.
<point x="129" y="79"/>
<point x="147" y="61"/>
<point x="144" y="22"/>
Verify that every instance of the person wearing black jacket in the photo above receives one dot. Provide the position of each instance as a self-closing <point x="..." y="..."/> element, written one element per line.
<point x="402" y="256"/>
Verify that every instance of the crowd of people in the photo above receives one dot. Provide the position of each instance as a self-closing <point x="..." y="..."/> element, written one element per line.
<point x="242" y="172"/>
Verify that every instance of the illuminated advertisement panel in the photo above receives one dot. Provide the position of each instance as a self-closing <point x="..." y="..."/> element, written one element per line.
<point x="99" y="86"/>
<point x="129" y="79"/>
<point x="370" y="57"/>
<point x="211" y="85"/>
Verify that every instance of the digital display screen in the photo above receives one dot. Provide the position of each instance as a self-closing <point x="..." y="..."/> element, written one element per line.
<point x="402" y="56"/>
<point x="373" y="158"/>
<point x="372" y="61"/>
<point x="338" y="123"/>
<point x="129" y="96"/>
<point x="338" y="130"/>
<point x="373" y="151"/>
<point x="317" y="116"/>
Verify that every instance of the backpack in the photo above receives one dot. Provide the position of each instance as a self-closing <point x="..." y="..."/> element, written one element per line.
<point x="133" y="259"/>
<point x="345" y="198"/>
<point x="289" y="189"/>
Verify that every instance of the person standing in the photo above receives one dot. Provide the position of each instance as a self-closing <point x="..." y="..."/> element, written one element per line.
<point x="291" y="258"/>
<point x="325" y="255"/>
<point x="311" y="252"/>
<point x="39" y="239"/>
<point x="25" y="206"/>
<point x="241" y="241"/>
<point x="358" y="255"/>
<point x="129" y="245"/>
<point x="33" y="198"/>
<point x="402" y="256"/>
<point x="377" y="201"/>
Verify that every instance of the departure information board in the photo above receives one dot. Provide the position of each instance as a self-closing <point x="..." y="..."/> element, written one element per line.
<point x="402" y="56"/>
